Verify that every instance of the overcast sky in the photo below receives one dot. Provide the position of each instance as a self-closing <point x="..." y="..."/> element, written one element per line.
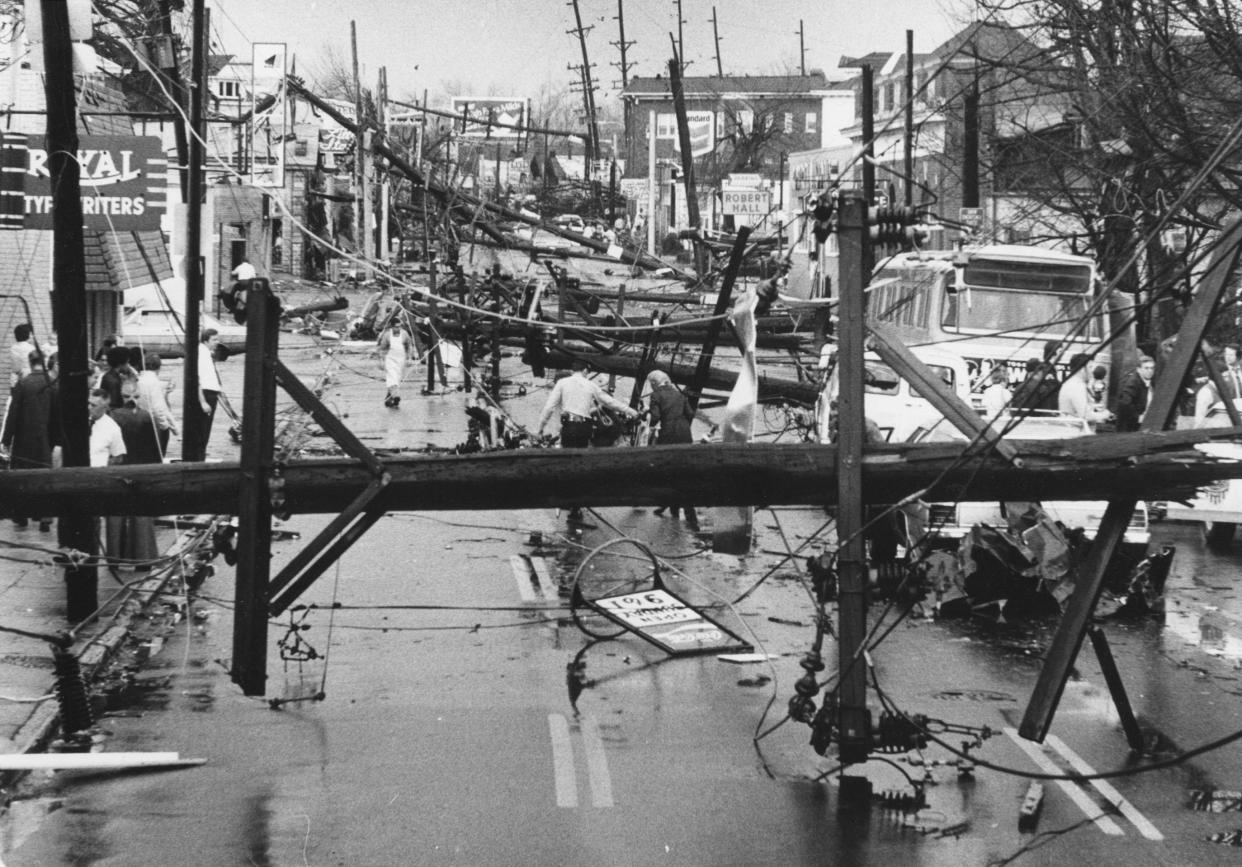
<point x="512" y="47"/>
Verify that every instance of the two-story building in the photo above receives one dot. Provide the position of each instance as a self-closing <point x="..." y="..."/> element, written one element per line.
<point x="741" y="128"/>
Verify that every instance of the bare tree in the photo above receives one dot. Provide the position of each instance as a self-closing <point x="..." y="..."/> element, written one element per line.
<point x="1146" y="136"/>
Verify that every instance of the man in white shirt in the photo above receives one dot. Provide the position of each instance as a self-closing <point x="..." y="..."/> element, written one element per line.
<point x="244" y="270"/>
<point x="1074" y="398"/>
<point x="107" y="443"/>
<point x="208" y="390"/>
<point x="19" y="353"/>
<point x="576" y="397"/>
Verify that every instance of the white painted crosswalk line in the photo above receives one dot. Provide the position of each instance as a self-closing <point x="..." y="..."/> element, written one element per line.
<point x="543" y="578"/>
<point x="1144" y="825"/>
<point x="1089" y="808"/>
<point x="522" y="574"/>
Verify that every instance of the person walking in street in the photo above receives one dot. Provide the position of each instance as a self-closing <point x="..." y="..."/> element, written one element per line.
<point x="30" y="426"/>
<point x="153" y="397"/>
<point x="209" y="389"/>
<point x="671" y="418"/>
<point x="575" y="398"/>
<point x="132" y="537"/>
<point x="19" y="353"/>
<point x="1134" y="394"/>
<point x="1039" y="389"/>
<point x="394" y="347"/>
<point x="1074" y="396"/>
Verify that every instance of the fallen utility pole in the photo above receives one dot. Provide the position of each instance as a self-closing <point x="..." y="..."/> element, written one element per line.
<point x="1140" y="465"/>
<point x="466" y="206"/>
<point x="770" y="388"/>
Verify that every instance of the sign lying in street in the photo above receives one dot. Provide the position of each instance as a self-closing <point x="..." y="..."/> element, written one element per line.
<point x="668" y="622"/>
<point x="123" y="178"/>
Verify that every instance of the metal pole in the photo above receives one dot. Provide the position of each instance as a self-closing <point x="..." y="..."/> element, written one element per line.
<point x="868" y="166"/>
<point x="854" y="720"/>
<point x="194" y="421"/>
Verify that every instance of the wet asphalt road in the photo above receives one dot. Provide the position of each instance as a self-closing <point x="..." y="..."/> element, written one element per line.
<point x="492" y="731"/>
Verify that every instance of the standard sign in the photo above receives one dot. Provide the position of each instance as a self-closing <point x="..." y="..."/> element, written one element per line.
<point x="664" y="620"/>
<point x="757" y="202"/>
<point x="124" y="181"/>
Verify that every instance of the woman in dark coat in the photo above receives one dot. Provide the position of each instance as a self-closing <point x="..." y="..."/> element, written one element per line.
<point x="672" y="414"/>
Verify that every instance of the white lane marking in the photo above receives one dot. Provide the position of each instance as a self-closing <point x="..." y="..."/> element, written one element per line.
<point x="543" y="578"/>
<point x="597" y="763"/>
<point x="521" y="574"/>
<point x="1077" y="795"/>
<point x="1145" y="827"/>
<point x="563" y="762"/>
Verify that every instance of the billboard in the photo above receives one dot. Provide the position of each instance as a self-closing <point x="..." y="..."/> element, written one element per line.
<point x="124" y="181"/>
<point x="702" y="126"/>
<point x="268" y="125"/>
<point x="746" y="202"/>
<point x="477" y="116"/>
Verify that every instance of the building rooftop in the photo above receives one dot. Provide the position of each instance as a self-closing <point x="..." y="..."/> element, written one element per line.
<point x="695" y="85"/>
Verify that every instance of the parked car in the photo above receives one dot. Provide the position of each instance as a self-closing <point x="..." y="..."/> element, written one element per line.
<point x="161" y="330"/>
<point x="571" y="223"/>
<point x="952" y="521"/>
<point x="1218" y="506"/>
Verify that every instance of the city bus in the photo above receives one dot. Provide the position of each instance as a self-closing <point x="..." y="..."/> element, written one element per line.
<point x="995" y="305"/>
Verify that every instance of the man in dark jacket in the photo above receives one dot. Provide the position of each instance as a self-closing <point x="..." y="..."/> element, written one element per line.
<point x="1134" y="394"/>
<point x="28" y="428"/>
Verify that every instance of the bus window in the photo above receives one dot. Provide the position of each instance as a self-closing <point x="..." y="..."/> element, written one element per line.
<point x="997" y="310"/>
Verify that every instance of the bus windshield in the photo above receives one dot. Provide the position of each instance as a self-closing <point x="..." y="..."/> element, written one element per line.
<point x="993" y="310"/>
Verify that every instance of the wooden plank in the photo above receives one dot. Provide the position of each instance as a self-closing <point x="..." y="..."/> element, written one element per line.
<point x="523" y="576"/>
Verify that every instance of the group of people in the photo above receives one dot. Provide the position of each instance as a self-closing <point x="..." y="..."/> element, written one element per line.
<point x="575" y="399"/>
<point x="1083" y="394"/>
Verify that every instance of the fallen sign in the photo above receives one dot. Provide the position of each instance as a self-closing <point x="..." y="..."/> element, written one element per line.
<point x="666" y="620"/>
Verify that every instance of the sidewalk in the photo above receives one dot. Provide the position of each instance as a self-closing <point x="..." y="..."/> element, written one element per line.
<point x="33" y="601"/>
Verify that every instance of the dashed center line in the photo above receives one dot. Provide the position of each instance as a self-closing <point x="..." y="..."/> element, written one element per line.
<point x="564" y="771"/>
<point x="1089" y="808"/>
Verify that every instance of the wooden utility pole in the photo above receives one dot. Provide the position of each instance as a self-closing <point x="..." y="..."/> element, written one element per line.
<point x="701" y="261"/>
<point x="802" y="48"/>
<point x="623" y="46"/>
<point x="588" y="88"/>
<point x="716" y="40"/>
<point x="75" y="529"/>
<point x="681" y="38"/>
<point x="254" y="503"/>
<point x="854" y="726"/>
<point x="173" y="71"/>
<point x="1164" y="465"/>
<point x="970" y="146"/>
<point x="724" y="301"/>
<point x="868" y="166"/>
<point x="193" y="434"/>
<point x="360" y="161"/>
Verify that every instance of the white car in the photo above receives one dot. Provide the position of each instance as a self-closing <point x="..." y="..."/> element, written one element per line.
<point x="161" y="331"/>
<point x="954" y="520"/>
<point x="891" y="402"/>
<point x="1218" y="506"/>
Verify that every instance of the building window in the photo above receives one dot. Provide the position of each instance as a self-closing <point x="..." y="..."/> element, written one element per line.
<point x="301" y="147"/>
<point x="788" y="123"/>
<point x="229" y="89"/>
<point x="812" y="123"/>
<point x="666" y="126"/>
<point x="745" y="120"/>
<point x="889" y="102"/>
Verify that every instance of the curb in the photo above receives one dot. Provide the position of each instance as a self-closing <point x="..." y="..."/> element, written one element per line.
<point x="38" y="731"/>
